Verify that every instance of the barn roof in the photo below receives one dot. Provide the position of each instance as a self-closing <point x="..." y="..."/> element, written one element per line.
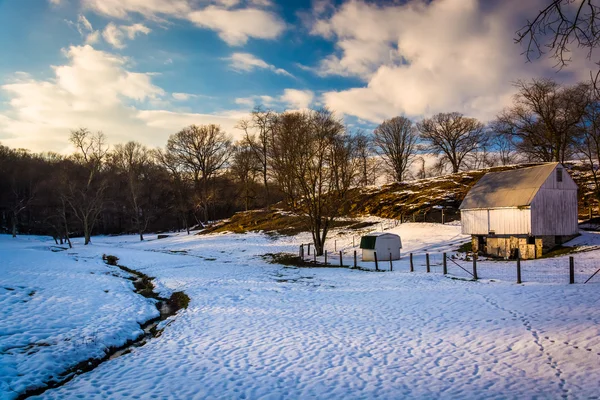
<point x="514" y="188"/>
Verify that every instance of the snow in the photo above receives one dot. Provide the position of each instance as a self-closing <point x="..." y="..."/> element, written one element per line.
<point x="263" y="331"/>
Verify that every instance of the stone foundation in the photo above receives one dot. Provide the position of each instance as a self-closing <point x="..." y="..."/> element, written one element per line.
<point x="506" y="246"/>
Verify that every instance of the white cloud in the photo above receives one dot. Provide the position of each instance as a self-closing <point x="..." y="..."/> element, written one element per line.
<point x="236" y="26"/>
<point x="290" y="99"/>
<point x="97" y="90"/>
<point x="418" y="58"/>
<point x="85" y="29"/>
<point x="115" y="35"/>
<point x="183" y="96"/>
<point x="246" y="62"/>
<point x="233" y="22"/>
<point x="297" y="98"/>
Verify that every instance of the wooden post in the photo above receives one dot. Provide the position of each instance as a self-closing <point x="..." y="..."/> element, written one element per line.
<point x="335" y="245"/>
<point x="391" y="266"/>
<point x="442" y="216"/>
<point x="341" y="263"/>
<point x="571" y="270"/>
<point x="309" y="249"/>
<point x="314" y="257"/>
<point x="376" y="264"/>
<point x="325" y="257"/>
<point x="355" y="259"/>
<point x="444" y="266"/>
<point x="412" y="266"/>
<point x="353" y="245"/>
<point x="475" y="266"/>
<point x="300" y="252"/>
<point x="427" y="261"/>
<point x="519" y="267"/>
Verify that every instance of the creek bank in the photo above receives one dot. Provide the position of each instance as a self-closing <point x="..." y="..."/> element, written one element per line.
<point x="151" y="329"/>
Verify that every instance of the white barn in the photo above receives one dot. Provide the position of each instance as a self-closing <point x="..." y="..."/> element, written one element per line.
<point x="384" y="244"/>
<point x="531" y="209"/>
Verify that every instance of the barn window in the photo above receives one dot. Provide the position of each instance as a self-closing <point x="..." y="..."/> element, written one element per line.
<point x="559" y="175"/>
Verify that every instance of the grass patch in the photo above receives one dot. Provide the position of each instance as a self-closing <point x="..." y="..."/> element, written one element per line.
<point x="559" y="251"/>
<point x="466" y="247"/>
<point x="110" y="260"/>
<point x="178" y="300"/>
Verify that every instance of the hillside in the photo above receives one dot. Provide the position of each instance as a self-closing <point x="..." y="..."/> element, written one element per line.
<point x="423" y="200"/>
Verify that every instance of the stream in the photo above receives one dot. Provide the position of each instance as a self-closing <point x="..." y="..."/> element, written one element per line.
<point x="152" y="328"/>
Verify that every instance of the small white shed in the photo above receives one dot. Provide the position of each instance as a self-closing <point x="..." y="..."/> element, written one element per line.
<point x="382" y="243"/>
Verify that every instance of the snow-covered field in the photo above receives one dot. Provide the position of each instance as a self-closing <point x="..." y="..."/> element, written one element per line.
<point x="257" y="330"/>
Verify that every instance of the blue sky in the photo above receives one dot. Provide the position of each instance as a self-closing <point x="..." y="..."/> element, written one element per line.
<point x="143" y="69"/>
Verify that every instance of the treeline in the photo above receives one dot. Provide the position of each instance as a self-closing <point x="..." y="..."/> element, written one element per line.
<point x="309" y="159"/>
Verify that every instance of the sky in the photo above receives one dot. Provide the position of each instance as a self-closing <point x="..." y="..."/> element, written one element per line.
<point x="144" y="69"/>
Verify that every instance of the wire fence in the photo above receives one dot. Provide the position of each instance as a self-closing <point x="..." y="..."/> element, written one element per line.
<point x="580" y="268"/>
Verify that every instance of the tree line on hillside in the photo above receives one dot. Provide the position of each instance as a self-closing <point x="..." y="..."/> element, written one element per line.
<point x="308" y="159"/>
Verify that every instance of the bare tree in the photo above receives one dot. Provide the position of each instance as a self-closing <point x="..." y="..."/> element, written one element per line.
<point x="454" y="136"/>
<point x="396" y="141"/>
<point x="285" y="142"/>
<point x="315" y="163"/>
<point x="85" y="189"/>
<point x="545" y="119"/>
<point x="559" y="26"/>
<point x="133" y="160"/>
<point x="244" y="168"/>
<point x="366" y="161"/>
<point x="203" y="151"/>
<point x="176" y="171"/>
<point x="258" y="132"/>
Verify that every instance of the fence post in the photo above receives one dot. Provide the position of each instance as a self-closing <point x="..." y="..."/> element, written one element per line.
<point x="444" y="266"/>
<point x="325" y="257"/>
<point x="341" y="263"/>
<point x="412" y="267"/>
<point x="427" y="261"/>
<point x="475" y="266"/>
<point x="353" y="245"/>
<point x="309" y="249"/>
<point x="335" y="245"/>
<point x="518" y="266"/>
<point x="354" y="258"/>
<point x="314" y="257"/>
<point x="300" y="252"/>
<point x="376" y="264"/>
<point x="391" y="266"/>
<point x="571" y="270"/>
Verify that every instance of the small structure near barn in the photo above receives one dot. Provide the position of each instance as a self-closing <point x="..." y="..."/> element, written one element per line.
<point x="382" y="243"/>
<point x="530" y="209"/>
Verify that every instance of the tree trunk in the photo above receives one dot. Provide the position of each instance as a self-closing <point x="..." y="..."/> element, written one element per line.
<point x="14" y="225"/>
<point x="86" y="232"/>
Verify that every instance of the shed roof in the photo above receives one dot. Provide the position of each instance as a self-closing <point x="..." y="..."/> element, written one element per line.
<point x="514" y="188"/>
<point x="380" y="234"/>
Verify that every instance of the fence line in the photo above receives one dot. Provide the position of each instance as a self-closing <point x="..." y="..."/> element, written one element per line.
<point x="553" y="270"/>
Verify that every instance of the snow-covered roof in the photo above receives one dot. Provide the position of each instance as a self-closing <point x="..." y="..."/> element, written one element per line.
<point x="514" y="188"/>
<point x="380" y="234"/>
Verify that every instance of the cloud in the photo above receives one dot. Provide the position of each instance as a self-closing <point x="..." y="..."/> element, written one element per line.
<point x="418" y="58"/>
<point x="290" y="99"/>
<point x="97" y="90"/>
<point x="183" y="96"/>
<point x="115" y="35"/>
<point x="233" y="21"/>
<point x="236" y="26"/>
<point x="85" y="29"/>
<point x="297" y="98"/>
<point x="246" y="62"/>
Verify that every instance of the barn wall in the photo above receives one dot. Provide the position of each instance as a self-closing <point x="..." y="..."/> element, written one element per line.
<point x="554" y="212"/>
<point x="567" y="183"/>
<point x="502" y="221"/>
<point x="474" y="222"/>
